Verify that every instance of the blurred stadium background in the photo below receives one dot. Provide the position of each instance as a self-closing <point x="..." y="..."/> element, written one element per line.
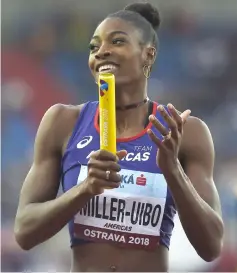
<point x="44" y="61"/>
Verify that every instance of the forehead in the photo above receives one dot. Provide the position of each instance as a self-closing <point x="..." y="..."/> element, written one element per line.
<point x="111" y="25"/>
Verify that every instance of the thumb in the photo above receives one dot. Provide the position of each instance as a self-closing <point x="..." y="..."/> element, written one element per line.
<point x="121" y="154"/>
<point x="185" y="115"/>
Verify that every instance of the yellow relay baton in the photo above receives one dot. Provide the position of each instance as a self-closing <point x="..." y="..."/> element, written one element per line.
<point x="107" y="112"/>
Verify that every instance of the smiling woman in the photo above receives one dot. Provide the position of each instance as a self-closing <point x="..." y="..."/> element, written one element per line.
<point x="153" y="175"/>
<point x="131" y="30"/>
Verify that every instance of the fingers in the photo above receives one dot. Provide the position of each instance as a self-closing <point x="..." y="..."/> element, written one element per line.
<point x="154" y="138"/>
<point x="174" y="120"/>
<point x="180" y="119"/>
<point x="185" y="115"/>
<point x="104" y="165"/>
<point x="98" y="183"/>
<point x="100" y="162"/>
<point x="169" y="120"/>
<point x="100" y="174"/>
<point x="161" y="128"/>
<point x="121" y="154"/>
<point x="105" y="155"/>
<point x="172" y="125"/>
<point x="97" y="177"/>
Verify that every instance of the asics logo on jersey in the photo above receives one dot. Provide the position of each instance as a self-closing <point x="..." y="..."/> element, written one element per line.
<point x="84" y="142"/>
<point x="103" y="87"/>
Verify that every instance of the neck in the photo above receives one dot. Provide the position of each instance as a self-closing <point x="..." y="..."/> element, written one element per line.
<point x="127" y="95"/>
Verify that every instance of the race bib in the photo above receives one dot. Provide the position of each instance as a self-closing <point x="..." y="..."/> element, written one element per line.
<point x="130" y="216"/>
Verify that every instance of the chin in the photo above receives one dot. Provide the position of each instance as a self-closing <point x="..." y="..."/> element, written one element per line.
<point x="119" y="79"/>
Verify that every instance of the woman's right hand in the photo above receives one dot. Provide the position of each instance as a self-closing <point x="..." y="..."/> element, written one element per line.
<point x="99" y="163"/>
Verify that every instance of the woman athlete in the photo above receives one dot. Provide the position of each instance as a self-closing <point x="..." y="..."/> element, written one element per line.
<point x="161" y="166"/>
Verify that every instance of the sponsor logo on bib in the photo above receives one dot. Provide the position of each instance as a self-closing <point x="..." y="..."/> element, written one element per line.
<point x="130" y="217"/>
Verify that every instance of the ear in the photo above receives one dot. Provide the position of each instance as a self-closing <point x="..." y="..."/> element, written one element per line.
<point x="150" y="55"/>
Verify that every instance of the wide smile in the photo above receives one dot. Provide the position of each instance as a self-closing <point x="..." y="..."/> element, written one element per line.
<point x="107" y="68"/>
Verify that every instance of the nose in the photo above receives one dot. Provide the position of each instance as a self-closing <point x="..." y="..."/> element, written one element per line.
<point x="102" y="53"/>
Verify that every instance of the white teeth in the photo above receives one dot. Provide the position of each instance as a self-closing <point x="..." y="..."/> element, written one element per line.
<point x="107" y="67"/>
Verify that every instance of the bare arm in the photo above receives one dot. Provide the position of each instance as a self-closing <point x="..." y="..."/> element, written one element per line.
<point x="195" y="193"/>
<point x="40" y="215"/>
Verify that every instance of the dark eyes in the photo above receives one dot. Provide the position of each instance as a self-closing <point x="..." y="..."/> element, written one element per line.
<point x="117" y="41"/>
<point x="92" y="47"/>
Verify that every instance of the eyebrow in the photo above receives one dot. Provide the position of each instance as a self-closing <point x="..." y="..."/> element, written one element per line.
<point x="97" y="37"/>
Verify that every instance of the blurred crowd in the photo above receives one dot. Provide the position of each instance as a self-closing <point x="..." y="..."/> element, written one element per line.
<point x="44" y="61"/>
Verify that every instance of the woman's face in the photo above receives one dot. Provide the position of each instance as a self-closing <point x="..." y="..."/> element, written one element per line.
<point x="116" y="48"/>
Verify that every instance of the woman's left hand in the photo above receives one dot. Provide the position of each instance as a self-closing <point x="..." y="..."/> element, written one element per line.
<point x="168" y="147"/>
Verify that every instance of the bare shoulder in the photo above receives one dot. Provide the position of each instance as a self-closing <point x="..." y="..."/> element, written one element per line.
<point x="61" y="116"/>
<point x="196" y="136"/>
<point x="59" y="111"/>
<point x="195" y="127"/>
<point x="57" y="124"/>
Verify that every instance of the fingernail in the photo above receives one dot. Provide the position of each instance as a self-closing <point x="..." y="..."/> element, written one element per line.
<point x="151" y="117"/>
<point x="189" y="112"/>
<point x="170" y="106"/>
<point x="161" y="108"/>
